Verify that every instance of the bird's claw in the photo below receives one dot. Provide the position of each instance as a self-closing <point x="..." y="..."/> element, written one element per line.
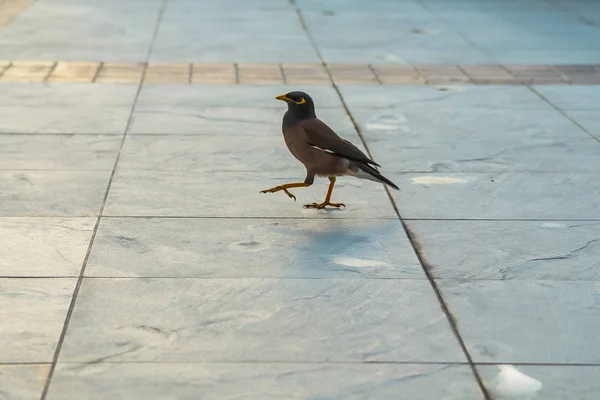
<point x="277" y="189"/>
<point x="291" y="196"/>
<point x="320" y="206"/>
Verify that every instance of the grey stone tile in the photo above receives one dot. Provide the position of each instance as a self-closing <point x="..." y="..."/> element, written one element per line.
<point x="464" y="124"/>
<point x="156" y="247"/>
<point x="208" y="194"/>
<point x="234" y="46"/>
<point x="43" y="246"/>
<point x="498" y="195"/>
<point x="580" y="40"/>
<point x="550" y="382"/>
<point x="33" y="313"/>
<point x="334" y="7"/>
<point x="387" y="30"/>
<point x="182" y="18"/>
<point x="64" y="24"/>
<point x="224" y="121"/>
<point x="509" y="6"/>
<point x="572" y="97"/>
<point x="64" y="119"/>
<point x="199" y="320"/>
<point x="442" y="97"/>
<point x="364" y="55"/>
<point x="65" y="108"/>
<point x="588" y="119"/>
<point x="23" y="382"/>
<point x="206" y="9"/>
<point x="200" y="97"/>
<point x="52" y="193"/>
<point x="520" y="250"/>
<point x="82" y="52"/>
<point x="527" y="321"/>
<point x="486" y="154"/>
<point x="263" y="381"/>
<point x="417" y="139"/>
<point x="88" y="35"/>
<point x="532" y="56"/>
<point x="67" y="95"/>
<point x="466" y="55"/>
<point x="390" y="53"/>
<point x="212" y="153"/>
<point x="58" y="152"/>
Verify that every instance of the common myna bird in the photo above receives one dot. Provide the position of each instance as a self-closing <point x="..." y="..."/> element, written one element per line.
<point x="321" y="150"/>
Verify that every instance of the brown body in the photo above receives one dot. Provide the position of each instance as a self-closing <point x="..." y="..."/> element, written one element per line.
<point x="317" y="162"/>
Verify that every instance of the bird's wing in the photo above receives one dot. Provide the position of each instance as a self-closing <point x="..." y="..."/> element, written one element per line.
<point x="322" y="137"/>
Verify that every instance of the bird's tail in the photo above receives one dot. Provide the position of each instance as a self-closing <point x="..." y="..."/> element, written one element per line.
<point x="365" y="171"/>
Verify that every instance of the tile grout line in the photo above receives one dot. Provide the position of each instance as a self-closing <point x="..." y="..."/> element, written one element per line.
<point x="315" y="48"/>
<point x="370" y="66"/>
<point x="461" y="69"/>
<point x="100" y="214"/>
<point x="442" y="302"/>
<point x="3" y="70"/>
<point x="451" y="320"/>
<point x="296" y="278"/>
<point x="50" y="71"/>
<point x="283" y="76"/>
<point x="97" y="72"/>
<point x="308" y="217"/>
<point x="342" y="362"/>
<point x="563" y="113"/>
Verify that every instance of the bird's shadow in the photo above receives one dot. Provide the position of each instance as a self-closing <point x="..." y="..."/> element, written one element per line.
<point x="345" y="246"/>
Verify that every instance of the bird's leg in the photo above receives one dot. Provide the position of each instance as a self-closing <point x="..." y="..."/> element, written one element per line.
<point x="285" y="188"/>
<point x="327" y="198"/>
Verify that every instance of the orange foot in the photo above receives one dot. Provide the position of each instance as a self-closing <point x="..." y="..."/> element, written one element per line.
<point x="320" y="206"/>
<point x="277" y="189"/>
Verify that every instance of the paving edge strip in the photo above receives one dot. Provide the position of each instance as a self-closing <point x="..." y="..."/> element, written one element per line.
<point x="294" y="74"/>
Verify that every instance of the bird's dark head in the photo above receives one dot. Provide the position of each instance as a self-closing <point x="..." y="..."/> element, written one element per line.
<point x="299" y="104"/>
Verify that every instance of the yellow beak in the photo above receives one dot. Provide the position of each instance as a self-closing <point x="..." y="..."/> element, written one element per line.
<point x="283" y="97"/>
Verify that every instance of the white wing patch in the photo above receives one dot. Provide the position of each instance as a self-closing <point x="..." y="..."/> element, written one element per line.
<point x="325" y="150"/>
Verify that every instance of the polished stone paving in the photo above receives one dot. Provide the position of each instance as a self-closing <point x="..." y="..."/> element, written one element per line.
<point x="139" y="260"/>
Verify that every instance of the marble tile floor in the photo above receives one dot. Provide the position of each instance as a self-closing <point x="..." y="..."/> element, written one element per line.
<point x="139" y="260"/>
<point x="177" y="276"/>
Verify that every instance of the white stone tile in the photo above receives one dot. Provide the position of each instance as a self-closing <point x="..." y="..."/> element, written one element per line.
<point x="263" y="381"/>
<point x="33" y="313"/>
<point x="311" y="248"/>
<point x="44" y="246"/>
<point x="309" y="320"/>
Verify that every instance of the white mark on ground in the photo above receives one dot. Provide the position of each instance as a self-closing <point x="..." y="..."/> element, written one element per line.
<point x="436" y="180"/>
<point x="385" y="122"/>
<point x="511" y="383"/>
<point x="388" y="56"/>
<point x="357" y="262"/>
<point x="381" y="126"/>
<point x="553" y="225"/>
